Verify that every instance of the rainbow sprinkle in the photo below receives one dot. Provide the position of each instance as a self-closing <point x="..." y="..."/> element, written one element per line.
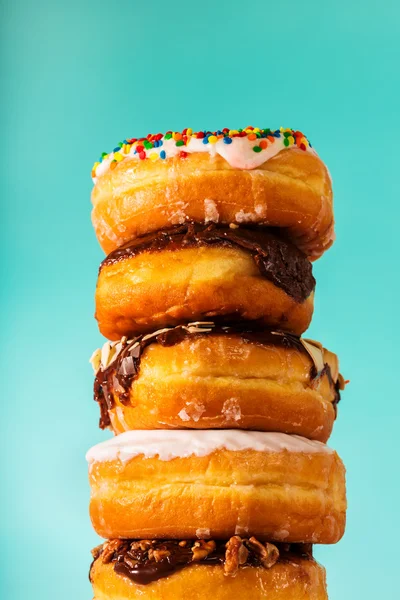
<point x="144" y="148"/>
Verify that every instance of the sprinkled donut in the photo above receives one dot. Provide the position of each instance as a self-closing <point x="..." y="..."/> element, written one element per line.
<point x="252" y="176"/>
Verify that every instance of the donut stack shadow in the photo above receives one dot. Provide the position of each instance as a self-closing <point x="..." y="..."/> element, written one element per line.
<point x="218" y="480"/>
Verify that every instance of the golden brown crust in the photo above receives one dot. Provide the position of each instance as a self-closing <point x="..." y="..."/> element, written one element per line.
<point x="283" y="496"/>
<point x="291" y="190"/>
<point x="222" y="381"/>
<point x="162" y="289"/>
<point x="297" y="579"/>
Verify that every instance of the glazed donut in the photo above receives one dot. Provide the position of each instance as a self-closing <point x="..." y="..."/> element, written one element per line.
<point x="255" y="176"/>
<point x="183" y="484"/>
<point x="204" y="376"/>
<point x="191" y="272"/>
<point x="170" y="570"/>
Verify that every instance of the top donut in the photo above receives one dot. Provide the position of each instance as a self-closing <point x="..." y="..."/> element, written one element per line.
<point x="246" y="177"/>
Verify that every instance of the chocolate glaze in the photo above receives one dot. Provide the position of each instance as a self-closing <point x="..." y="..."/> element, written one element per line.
<point x="277" y="260"/>
<point x="118" y="377"/>
<point x="136" y="559"/>
<point x="337" y="386"/>
<point x="145" y="570"/>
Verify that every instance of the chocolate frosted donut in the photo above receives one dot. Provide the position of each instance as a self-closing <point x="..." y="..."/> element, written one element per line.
<point x="204" y="375"/>
<point x="191" y="272"/>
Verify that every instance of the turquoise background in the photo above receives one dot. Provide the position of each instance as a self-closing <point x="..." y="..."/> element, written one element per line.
<point x="78" y="77"/>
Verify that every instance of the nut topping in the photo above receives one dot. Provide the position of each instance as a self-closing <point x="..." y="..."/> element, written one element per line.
<point x="268" y="554"/>
<point x="160" y="555"/>
<point x="202" y="548"/>
<point x="144" y="561"/>
<point x="128" y="560"/>
<point x="236" y="554"/>
<point x="141" y="545"/>
<point x="109" y="548"/>
<point x="95" y="552"/>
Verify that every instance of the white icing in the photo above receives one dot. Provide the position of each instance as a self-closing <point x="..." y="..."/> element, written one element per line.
<point x="239" y="153"/>
<point x="169" y="444"/>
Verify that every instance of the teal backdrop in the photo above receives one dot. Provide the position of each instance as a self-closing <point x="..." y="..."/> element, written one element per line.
<point x="79" y="76"/>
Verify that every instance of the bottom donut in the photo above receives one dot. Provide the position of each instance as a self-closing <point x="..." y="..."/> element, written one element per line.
<point x="173" y="569"/>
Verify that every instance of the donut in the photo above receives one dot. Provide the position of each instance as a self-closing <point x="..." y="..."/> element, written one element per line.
<point x="172" y="569"/>
<point x="182" y="484"/>
<point x="206" y="376"/>
<point x="252" y="176"/>
<point x="191" y="272"/>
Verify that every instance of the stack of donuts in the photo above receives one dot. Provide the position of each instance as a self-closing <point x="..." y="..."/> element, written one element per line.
<point x="218" y="480"/>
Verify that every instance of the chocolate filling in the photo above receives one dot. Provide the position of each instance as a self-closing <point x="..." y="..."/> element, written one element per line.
<point x="145" y="561"/>
<point x="118" y="377"/>
<point x="277" y="260"/>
